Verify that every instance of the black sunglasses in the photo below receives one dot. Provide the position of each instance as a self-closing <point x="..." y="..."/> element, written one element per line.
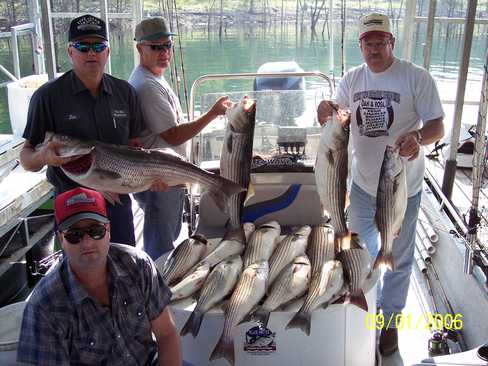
<point x="84" y="47"/>
<point x="160" y="46"/>
<point x="74" y="236"/>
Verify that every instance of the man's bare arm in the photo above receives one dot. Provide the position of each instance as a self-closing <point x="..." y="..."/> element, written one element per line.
<point x="34" y="160"/>
<point x="168" y="339"/>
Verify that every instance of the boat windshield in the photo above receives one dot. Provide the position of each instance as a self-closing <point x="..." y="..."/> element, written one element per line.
<point x="286" y="133"/>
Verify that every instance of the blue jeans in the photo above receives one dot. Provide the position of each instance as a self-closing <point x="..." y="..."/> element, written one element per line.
<point x="121" y="221"/>
<point x="162" y="219"/>
<point x="392" y="293"/>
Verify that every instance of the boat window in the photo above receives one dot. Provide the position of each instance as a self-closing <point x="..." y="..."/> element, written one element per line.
<point x="286" y="133"/>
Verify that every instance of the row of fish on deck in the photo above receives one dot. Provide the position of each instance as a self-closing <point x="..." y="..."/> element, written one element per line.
<point x="253" y="273"/>
<point x="320" y="264"/>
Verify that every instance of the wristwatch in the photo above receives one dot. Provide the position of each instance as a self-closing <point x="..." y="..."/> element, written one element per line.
<point x="419" y="137"/>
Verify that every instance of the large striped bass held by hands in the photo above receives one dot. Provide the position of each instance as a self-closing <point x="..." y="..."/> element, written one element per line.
<point x="391" y="204"/>
<point x="331" y="173"/>
<point x="236" y="155"/>
<point x="123" y="169"/>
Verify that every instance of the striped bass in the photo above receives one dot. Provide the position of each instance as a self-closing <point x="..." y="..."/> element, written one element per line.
<point x="122" y="169"/>
<point x="324" y="285"/>
<point x="191" y="283"/>
<point x="391" y="204"/>
<point x="236" y="155"/>
<point x="287" y="250"/>
<point x="248" y="292"/>
<point x="183" y="258"/>
<point x="331" y="173"/>
<point x="321" y="246"/>
<point x="292" y="282"/>
<point x="356" y="263"/>
<point x="262" y="243"/>
<point x="219" y="283"/>
<point x="232" y="243"/>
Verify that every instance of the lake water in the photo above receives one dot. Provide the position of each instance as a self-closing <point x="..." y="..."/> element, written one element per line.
<point x="244" y="49"/>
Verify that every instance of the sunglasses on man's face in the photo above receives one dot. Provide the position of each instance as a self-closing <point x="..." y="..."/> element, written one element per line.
<point x="84" y="47"/>
<point x="160" y="46"/>
<point x="75" y="236"/>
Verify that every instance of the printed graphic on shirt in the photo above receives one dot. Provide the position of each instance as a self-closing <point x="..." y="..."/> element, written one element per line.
<point x="374" y="112"/>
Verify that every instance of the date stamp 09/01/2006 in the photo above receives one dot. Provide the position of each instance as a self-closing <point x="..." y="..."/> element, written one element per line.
<point x="426" y="321"/>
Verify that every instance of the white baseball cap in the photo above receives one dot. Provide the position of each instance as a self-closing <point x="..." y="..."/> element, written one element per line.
<point x="374" y="23"/>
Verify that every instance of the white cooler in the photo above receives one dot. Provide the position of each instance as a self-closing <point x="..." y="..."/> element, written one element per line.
<point x="339" y="336"/>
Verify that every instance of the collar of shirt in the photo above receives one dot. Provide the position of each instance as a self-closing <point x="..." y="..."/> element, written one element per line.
<point x="77" y="292"/>
<point x="77" y="85"/>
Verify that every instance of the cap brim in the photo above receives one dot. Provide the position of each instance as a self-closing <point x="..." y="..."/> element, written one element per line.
<point x="374" y="32"/>
<point x="82" y="216"/>
<point x="156" y="36"/>
<point x="88" y="36"/>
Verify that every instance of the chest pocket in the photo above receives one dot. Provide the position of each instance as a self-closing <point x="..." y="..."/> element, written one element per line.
<point x="90" y="349"/>
<point x="136" y="321"/>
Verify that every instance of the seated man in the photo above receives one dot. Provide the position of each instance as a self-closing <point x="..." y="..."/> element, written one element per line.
<point x="102" y="303"/>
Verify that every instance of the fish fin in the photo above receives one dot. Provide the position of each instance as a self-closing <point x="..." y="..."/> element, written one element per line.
<point x="302" y="321"/>
<point x="225" y="349"/>
<point x="112" y="198"/>
<point x="385" y="260"/>
<point x="343" y="299"/>
<point x="193" y="324"/>
<point x="357" y="298"/>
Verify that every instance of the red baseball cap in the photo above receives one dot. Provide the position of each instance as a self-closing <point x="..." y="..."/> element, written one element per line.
<point x="78" y="204"/>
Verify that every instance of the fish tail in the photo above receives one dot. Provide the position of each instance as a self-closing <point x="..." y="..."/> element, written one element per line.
<point x="261" y="316"/>
<point x="224" y="349"/>
<point x="301" y="320"/>
<point x="222" y="194"/>
<point x="357" y="298"/>
<point x="385" y="260"/>
<point x="193" y="324"/>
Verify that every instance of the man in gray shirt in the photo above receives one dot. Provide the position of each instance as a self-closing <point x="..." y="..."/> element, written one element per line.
<point x="163" y="117"/>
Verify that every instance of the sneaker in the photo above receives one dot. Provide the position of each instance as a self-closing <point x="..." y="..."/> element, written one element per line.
<point x="388" y="341"/>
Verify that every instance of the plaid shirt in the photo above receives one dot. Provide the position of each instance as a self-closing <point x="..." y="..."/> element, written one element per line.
<point x="63" y="325"/>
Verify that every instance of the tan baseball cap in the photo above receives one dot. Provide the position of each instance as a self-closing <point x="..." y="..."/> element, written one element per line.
<point x="151" y="29"/>
<point x="374" y="23"/>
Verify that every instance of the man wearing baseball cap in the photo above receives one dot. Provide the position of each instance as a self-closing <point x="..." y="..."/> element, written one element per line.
<point x="386" y="101"/>
<point x="164" y="128"/>
<point x="87" y="104"/>
<point x="102" y="302"/>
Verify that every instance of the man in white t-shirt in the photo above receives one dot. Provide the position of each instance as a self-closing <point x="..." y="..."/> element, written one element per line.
<point x="163" y="117"/>
<point x="389" y="101"/>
